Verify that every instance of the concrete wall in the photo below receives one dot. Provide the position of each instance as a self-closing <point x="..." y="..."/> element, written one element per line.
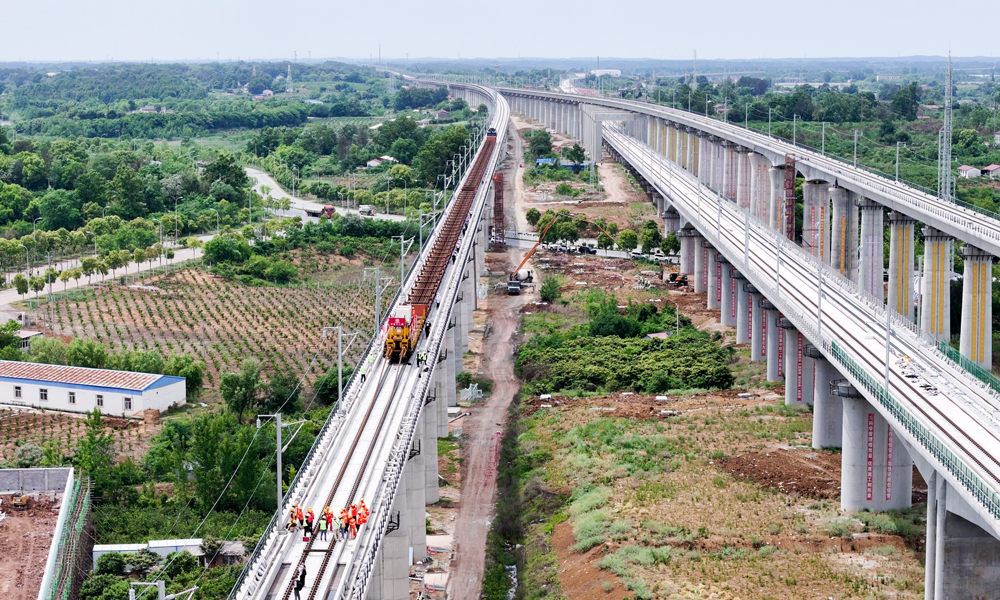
<point x="33" y="480"/>
<point x="971" y="561"/>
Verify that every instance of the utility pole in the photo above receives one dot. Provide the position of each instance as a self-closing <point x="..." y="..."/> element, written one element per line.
<point x="795" y="120"/>
<point x="279" y="449"/>
<point x="897" y="160"/>
<point x="855" y="147"/>
<point x="823" y="146"/>
<point x="378" y="297"/>
<point x="945" y="178"/>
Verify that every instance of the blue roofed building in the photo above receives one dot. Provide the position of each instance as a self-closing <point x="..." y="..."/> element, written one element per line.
<point x="80" y="389"/>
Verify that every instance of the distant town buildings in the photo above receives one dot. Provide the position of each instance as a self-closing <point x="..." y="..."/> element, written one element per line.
<point x="611" y="72"/>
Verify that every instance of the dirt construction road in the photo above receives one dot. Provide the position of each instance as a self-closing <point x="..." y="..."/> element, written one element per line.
<point x="484" y="429"/>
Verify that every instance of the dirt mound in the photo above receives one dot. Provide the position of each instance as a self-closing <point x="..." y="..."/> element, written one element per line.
<point x="805" y="472"/>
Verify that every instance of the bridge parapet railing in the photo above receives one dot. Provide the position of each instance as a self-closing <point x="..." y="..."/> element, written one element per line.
<point x="962" y="472"/>
<point x="952" y="463"/>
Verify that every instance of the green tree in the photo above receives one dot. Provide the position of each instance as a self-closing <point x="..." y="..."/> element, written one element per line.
<point x="95" y="453"/>
<point x="227" y="169"/>
<point x="404" y="150"/>
<point x="550" y="289"/>
<point x="22" y="284"/>
<point x="87" y="353"/>
<point x="126" y="194"/>
<point x="112" y="563"/>
<point x="240" y="390"/>
<point x="576" y="154"/>
<point x="670" y="244"/>
<point x="540" y="143"/>
<point x="532" y="216"/>
<point x="605" y="242"/>
<point x="37" y="284"/>
<point x="628" y="240"/>
<point x="60" y="209"/>
<point x="49" y="351"/>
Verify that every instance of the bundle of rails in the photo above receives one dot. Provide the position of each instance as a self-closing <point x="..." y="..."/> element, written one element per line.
<point x="407" y="319"/>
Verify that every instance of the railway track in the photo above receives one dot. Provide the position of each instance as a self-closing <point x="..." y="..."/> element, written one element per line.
<point x="847" y="319"/>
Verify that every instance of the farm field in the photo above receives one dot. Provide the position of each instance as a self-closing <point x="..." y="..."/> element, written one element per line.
<point x="58" y="433"/>
<point x="223" y="321"/>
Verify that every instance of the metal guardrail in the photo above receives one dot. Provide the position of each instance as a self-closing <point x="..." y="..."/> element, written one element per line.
<point x="983" y="375"/>
<point x="69" y="539"/>
<point x="962" y="472"/>
<point x="256" y="563"/>
<point x="989" y="499"/>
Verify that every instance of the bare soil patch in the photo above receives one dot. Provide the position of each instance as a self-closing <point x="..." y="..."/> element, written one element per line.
<point x="60" y="432"/>
<point x="796" y="471"/>
<point x="25" y="537"/>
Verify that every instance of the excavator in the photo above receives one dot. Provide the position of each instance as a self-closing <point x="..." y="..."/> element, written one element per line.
<point x="522" y="275"/>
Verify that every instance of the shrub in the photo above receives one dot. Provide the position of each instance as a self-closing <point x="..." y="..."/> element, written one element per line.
<point x="550" y="289"/>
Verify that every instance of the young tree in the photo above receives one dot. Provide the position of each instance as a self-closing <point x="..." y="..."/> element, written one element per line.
<point x="65" y="276"/>
<point x="540" y="143"/>
<point x="550" y="289"/>
<point x="37" y="284"/>
<point x="22" y="284"/>
<point x="95" y="452"/>
<point x="576" y="154"/>
<point x="628" y="240"/>
<point x="532" y="216"/>
<point x="604" y="242"/>
<point x="240" y="390"/>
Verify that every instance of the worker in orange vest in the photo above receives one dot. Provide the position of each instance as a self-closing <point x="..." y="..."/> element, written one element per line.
<point x="298" y="515"/>
<point x="352" y="523"/>
<point x="344" y="515"/>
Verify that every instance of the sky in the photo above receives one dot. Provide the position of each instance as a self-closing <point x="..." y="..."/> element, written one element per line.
<point x="58" y="30"/>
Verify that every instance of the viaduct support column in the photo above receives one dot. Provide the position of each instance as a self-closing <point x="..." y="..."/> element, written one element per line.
<point x="901" y="264"/>
<point x="828" y="410"/>
<point x="415" y="482"/>
<point x="742" y="178"/>
<point x="775" y="201"/>
<point x="429" y="449"/>
<point x="742" y="309"/>
<point x="774" y="369"/>
<point x="798" y="367"/>
<point x="935" y="297"/>
<point x="816" y="219"/>
<point x="714" y="275"/>
<point x="872" y="249"/>
<point x="701" y="249"/>
<point x="876" y="470"/>
<point x="758" y="327"/>
<point x="442" y="392"/>
<point x="395" y="555"/>
<point x="727" y="293"/>
<point x="449" y="379"/>
<point x="976" y="336"/>
<point x="844" y="237"/>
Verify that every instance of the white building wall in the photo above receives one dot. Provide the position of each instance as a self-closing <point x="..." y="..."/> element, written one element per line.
<point x="113" y="402"/>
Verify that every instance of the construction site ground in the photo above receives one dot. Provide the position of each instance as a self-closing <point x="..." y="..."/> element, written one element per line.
<point x="621" y="201"/>
<point x="25" y="537"/>
<point x="739" y="504"/>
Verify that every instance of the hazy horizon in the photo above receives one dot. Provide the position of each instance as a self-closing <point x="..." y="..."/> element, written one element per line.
<point x="189" y="31"/>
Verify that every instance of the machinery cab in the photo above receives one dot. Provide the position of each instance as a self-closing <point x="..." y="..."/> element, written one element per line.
<point x="403" y="330"/>
<point x="491" y="132"/>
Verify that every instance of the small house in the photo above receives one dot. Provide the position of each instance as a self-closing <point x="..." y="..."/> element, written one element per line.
<point x="25" y="337"/>
<point x="992" y="171"/>
<point x="967" y="172"/>
<point x="440" y="114"/>
<point x="375" y="162"/>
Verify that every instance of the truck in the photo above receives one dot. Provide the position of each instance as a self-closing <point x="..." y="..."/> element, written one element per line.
<point x="326" y="211"/>
<point x="367" y="210"/>
<point x="516" y="279"/>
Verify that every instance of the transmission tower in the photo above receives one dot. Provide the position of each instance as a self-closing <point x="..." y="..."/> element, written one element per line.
<point x="946" y="181"/>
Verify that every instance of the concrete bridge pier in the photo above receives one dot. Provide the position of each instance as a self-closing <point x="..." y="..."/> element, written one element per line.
<point x="935" y="296"/>
<point x="743" y="177"/>
<point x="714" y="275"/>
<point x="776" y="199"/>
<point x="727" y="293"/>
<point x="704" y="157"/>
<point x="876" y="470"/>
<point x="816" y="219"/>
<point x="395" y="569"/>
<point x="976" y="335"/>
<point x="458" y="335"/>
<point x="742" y="308"/>
<point x="798" y="366"/>
<point x="872" y="251"/>
<point x="758" y="327"/>
<point x="701" y="248"/>
<point x="671" y="221"/>
<point x="758" y="187"/>
<point x="900" y="297"/>
<point x="375" y="583"/>
<point x="415" y="499"/>
<point x="962" y="560"/>
<point x="844" y="234"/>
<point x="429" y="448"/>
<point x="451" y="342"/>
<point x="828" y="411"/>
<point x="773" y="341"/>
